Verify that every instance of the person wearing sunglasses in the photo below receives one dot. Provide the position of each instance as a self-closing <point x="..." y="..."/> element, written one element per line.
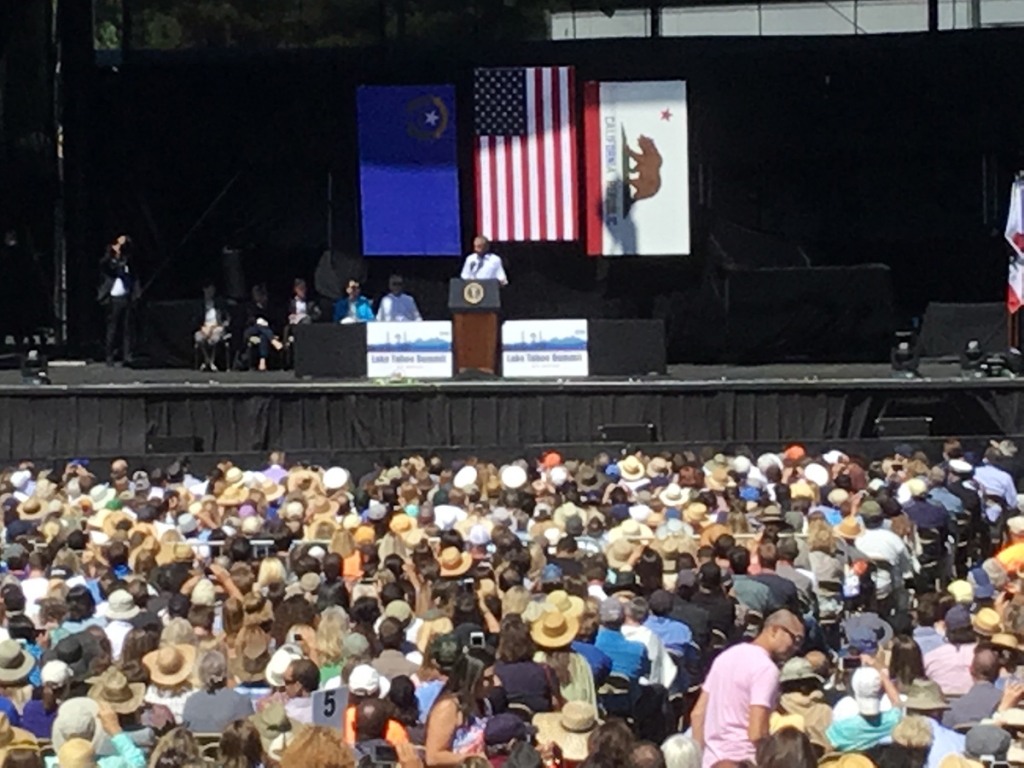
<point x="741" y="689"/>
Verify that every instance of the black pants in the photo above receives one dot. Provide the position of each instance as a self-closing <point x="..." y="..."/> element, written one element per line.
<point x="119" y="311"/>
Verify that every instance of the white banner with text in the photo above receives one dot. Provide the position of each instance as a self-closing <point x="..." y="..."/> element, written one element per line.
<point x="544" y="348"/>
<point x="412" y="350"/>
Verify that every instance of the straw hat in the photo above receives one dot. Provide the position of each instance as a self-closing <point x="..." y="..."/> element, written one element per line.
<point x="849" y="528"/>
<point x="113" y="689"/>
<point x="987" y="622"/>
<point x="31" y="509"/>
<point x="76" y="753"/>
<point x="401" y="525"/>
<point x="279" y="663"/>
<point x="1005" y="640"/>
<point x="554" y="630"/>
<point x="570" y="728"/>
<point x="321" y="506"/>
<point x="233" y="496"/>
<point x="121" y="606"/>
<point x="925" y="696"/>
<point x="777" y="722"/>
<point x="176" y="552"/>
<point x="454" y="563"/>
<point x="256" y="609"/>
<point x="631" y="469"/>
<point x="170" y="665"/>
<point x="565" y="603"/>
<point x="249" y="664"/>
<point x="695" y="513"/>
<point x="672" y="495"/>
<point x="15" y="664"/>
<point x="274" y="725"/>
<point x="14" y="738"/>
<point x="113" y="519"/>
<point x="618" y="553"/>
<point x="632" y="530"/>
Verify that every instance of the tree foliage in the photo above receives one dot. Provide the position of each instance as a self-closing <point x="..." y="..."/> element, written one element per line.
<point x="176" y="24"/>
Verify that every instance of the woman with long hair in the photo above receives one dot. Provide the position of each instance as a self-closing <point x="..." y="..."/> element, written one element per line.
<point x="528" y="684"/>
<point x="786" y="748"/>
<point x="906" y="664"/>
<point x="455" y="725"/>
<point x="553" y="633"/>
<point x="176" y="747"/>
<point x="240" y="746"/>
<point x="330" y="633"/>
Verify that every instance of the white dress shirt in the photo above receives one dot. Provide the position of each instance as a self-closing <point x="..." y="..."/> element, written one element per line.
<point x="397" y="309"/>
<point x="485" y="266"/>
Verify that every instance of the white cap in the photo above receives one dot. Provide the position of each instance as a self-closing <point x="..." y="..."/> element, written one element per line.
<point x="279" y="662"/>
<point x="1015" y="525"/>
<point x="478" y="536"/>
<point x="640" y="512"/>
<point x="766" y="460"/>
<point x="20" y="478"/>
<point x="558" y="476"/>
<point x="833" y="457"/>
<point x="336" y="478"/>
<point x="367" y="681"/>
<point x="961" y="467"/>
<point x="866" y="687"/>
<point x="817" y="474"/>
<point x="204" y="593"/>
<point x="513" y="477"/>
<point x="55" y="673"/>
<point x="377" y="510"/>
<point x="741" y="465"/>
<point x="464" y="478"/>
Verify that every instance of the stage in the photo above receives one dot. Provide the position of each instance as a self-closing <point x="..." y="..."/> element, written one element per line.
<point x="150" y="415"/>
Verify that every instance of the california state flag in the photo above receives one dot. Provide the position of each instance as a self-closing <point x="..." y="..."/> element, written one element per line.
<point x="1015" y="237"/>
<point x="637" y="168"/>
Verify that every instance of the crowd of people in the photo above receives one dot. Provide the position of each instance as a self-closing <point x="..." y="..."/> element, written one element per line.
<point x="785" y="610"/>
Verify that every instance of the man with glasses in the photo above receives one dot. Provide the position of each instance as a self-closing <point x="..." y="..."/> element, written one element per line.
<point x="741" y="689"/>
<point x="300" y="680"/>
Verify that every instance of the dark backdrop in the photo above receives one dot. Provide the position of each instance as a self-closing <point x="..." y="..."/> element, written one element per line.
<point x="892" y="149"/>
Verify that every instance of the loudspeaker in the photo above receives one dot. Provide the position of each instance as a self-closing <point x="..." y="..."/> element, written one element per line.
<point x="177" y="444"/>
<point x="626" y="347"/>
<point x="627" y="433"/>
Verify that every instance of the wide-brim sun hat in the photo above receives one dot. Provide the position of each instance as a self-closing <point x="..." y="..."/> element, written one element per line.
<point x="554" y="630"/>
<point x="631" y="469"/>
<point x="170" y="665"/>
<point x="570" y="729"/>
<point x="454" y="563"/>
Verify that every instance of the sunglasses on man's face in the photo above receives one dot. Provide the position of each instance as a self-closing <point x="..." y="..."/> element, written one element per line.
<point x="797" y="639"/>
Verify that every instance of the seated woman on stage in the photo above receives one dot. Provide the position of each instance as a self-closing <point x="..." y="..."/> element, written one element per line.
<point x="353" y="307"/>
<point x="210" y="333"/>
<point x="258" y="324"/>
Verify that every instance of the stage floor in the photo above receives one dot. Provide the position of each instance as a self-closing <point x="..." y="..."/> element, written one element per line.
<point x="790" y="375"/>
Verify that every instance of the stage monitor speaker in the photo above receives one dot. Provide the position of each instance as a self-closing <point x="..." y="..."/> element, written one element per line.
<point x="903" y="426"/>
<point x="627" y="433"/>
<point x="175" y="444"/>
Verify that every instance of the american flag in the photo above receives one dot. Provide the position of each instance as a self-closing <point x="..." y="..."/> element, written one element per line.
<point x="525" y="153"/>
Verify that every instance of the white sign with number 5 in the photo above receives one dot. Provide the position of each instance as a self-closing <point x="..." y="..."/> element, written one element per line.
<point x="329" y="707"/>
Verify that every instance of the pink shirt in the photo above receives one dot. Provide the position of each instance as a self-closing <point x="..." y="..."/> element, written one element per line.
<point x="740" y="678"/>
<point x="950" y="667"/>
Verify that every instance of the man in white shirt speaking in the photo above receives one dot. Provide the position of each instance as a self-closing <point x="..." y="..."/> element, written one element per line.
<point x="398" y="306"/>
<point x="481" y="264"/>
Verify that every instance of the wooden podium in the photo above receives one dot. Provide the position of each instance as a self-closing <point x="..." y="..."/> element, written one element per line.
<point x="474" y="305"/>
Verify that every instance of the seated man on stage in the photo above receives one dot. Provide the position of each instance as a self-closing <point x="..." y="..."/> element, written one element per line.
<point x="302" y="309"/>
<point x="353" y="307"/>
<point x="211" y="332"/>
<point x="481" y="264"/>
<point x="398" y="306"/>
<point x="258" y="324"/>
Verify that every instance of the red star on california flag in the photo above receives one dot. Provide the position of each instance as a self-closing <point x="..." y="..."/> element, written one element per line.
<point x="666" y="114"/>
